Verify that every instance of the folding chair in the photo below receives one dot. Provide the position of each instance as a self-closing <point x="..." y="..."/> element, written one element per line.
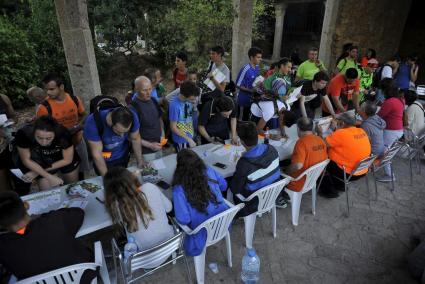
<point x="266" y="202"/>
<point x="387" y="159"/>
<point x="312" y="174"/>
<point x="412" y="150"/>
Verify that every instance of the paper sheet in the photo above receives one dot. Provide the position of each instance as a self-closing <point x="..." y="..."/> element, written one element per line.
<point x="275" y="143"/>
<point x="73" y="203"/>
<point x="293" y="96"/>
<point x="41" y="202"/>
<point x="158" y="164"/>
<point x="223" y="151"/>
<point x="219" y="76"/>
<point x="18" y="173"/>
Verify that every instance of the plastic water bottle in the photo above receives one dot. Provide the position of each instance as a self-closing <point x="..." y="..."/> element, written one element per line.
<point x="130" y="248"/>
<point x="266" y="136"/>
<point x="250" y="267"/>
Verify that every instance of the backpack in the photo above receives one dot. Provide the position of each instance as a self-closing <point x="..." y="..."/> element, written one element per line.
<point x="99" y="103"/>
<point x="377" y="77"/>
<point x="47" y="105"/>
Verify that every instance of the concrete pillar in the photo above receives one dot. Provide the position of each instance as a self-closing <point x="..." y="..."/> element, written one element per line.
<point x="78" y="46"/>
<point x="280" y="10"/>
<point x="242" y="34"/>
<point x="328" y="31"/>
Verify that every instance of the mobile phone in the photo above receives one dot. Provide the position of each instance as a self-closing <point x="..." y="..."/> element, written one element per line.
<point x="220" y="165"/>
<point x="162" y="184"/>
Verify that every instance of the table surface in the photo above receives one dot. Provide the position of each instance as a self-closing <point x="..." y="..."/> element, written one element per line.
<point x="97" y="218"/>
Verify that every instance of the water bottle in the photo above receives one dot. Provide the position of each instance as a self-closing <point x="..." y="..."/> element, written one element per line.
<point x="130" y="248"/>
<point x="266" y="136"/>
<point x="250" y="267"/>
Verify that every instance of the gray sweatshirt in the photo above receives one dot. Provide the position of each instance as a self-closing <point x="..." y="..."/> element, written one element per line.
<point x="374" y="127"/>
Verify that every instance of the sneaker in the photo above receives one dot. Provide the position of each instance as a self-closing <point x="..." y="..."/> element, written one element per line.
<point x="329" y="193"/>
<point x="281" y="202"/>
<point x="385" y="178"/>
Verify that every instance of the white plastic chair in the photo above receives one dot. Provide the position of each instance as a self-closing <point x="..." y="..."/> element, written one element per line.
<point x="312" y="174"/>
<point x="217" y="228"/>
<point x="266" y="202"/>
<point x="72" y="274"/>
<point x="150" y="259"/>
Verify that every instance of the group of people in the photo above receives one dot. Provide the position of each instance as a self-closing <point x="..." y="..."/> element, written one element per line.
<point x="58" y="146"/>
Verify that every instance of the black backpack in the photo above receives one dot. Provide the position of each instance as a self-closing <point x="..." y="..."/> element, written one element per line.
<point x="99" y="103"/>
<point x="46" y="104"/>
<point x="377" y="77"/>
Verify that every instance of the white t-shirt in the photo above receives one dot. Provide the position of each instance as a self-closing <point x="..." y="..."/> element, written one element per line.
<point x="387" y="72"/>
<point x="415" y="118"/>
<point x="265" y="109"/>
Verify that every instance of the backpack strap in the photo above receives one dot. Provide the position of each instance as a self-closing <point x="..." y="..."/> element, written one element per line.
<point x="75" y="100"/>
<point x="48" y="107"/>
<point x="420" y="106"/>
<point x="99" y="123"/>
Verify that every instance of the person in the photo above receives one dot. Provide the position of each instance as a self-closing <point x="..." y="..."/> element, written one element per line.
<point x="140" y="209"/>
<point x="158" y="90"/>
<point x="180" y="72"/>
<point x="414" y="113"/>
<point x="45" y="149"/>
<point x="347" y="146"/>
<point x="32" y="246"/>
<point x="295" y="57"/>
<point x="271" y="70"/>
<point x="310" y="67"/>
<point x="271" y="112"/>
<point x="197" y="196"/>
<point x="5" y="162"/>
<point x="348" y="62"/>
<point x="6" y="107"/>
<point x="150" y="121"/>
<point x="407" y="72"/>
<point x="216" y="57"/>
<point x="371" y="54"/>
<point x="309" y="150"/>
<point x="36" y="95"/>
<point x="257" y="168"/>
<point x="374" y="127"/>
<point x="344" y="92"/>
<point x="284" y="67"/>
<point x="69" y="111"/>
<point x="181" y="116"/>
<point x="386" y="71"/>
<point x="345" y="51"/>
<point x="317" y="88"/>
<point x="366" y="79"/>
<point x="245" y="79"/>
<point x="108" y="141"/>
<point x="392" y="112"/>
<point x="213" y="124"/>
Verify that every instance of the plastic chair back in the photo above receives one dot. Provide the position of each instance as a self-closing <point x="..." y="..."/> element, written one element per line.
<point x="312" y="174"/>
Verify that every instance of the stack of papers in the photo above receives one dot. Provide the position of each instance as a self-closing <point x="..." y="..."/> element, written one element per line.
<point x="293" y="96"/>
<point x="43" y="202"/>
<point x="74" y="203"/>
<point x="218" y="76"/>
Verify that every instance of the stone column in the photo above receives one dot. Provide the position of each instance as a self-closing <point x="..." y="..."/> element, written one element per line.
<point x="280" y="10"/>
<point x="78" y="46"/>
<point x="328" y="32"/>
<point x="242" y="34"/>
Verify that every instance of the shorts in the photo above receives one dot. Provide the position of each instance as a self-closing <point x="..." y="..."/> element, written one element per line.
<point x="64" y="170"/>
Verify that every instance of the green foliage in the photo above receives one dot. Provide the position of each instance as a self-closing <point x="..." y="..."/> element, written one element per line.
<point x="17" y="61"/>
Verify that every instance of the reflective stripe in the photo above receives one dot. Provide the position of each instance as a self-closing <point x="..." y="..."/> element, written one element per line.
<point x="263" y="172"/>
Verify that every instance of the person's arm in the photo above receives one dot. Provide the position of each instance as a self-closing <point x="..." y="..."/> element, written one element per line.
<point x="181" y="206"/>
<point x="177" y="131"/>
<point x="328" y="105"/>
<point x="81" y="112"/>
<point x="96" y="149"/>
<point x="302" y="106"/>
<point x="154" y="146"/>
<point x="161" y="125"/>
<point x="385" y="110"/>
<point x="300" y="72"/>
<point x="234" y="134"/>
<point x="222" y="183"/>
<point x="68" y="156"/>
<point x="237" y="185"/>
<point x="136" y="144"/>
<point x="293" y="168"/>
<point x="410" y="117"/>
<point x="260" y="126"/>
<point x="10" y="111"/>
<point x="337" y="103"/>
<point x="414" y="73"/>
<point x="203" y="131"/>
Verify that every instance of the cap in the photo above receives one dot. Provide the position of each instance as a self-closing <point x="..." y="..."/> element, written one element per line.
<point x="373" y="63"/>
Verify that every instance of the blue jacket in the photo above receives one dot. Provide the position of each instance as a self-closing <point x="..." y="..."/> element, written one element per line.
<point x="189" y="216"/>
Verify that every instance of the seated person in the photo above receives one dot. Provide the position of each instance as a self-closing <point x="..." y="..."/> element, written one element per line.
<point x="374" y="127"/>
<point x="258" y="167"/>
<point x="414" y="112"/>
<point x="44" y="149"/>
<point x="141" y="209"/>
<point x="29" y="247"/>
<point x="213" y="123"/>
<point x="347" y="146"/>
<point x="196" y="197"/>
<point x="108" y="142"/>
<point x="309" y="150"/>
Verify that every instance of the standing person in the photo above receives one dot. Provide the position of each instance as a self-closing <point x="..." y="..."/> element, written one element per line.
<point x="366" y="78"/>
<point x="386" y="71"/>
<point x="5" y="161"/>
<point x="374" y="127"/>
<point x="348" y="62"/>
<point x="180" y="72"/>
<point x="284" y="67"/>
<point x="371" y="54"/>
<point x="6" y="107"/>
<point x="196" y="197"/>
<point x="44" y="149"/>
<point x="407" y="72"/>
<point x="216" y="57"/>
<point x="392" y="112"/>
<point x="36" y="95"/>
<point x="181" y="116"/>
<point x="344" y="92"/>
<point x="415" y="113"/>
<point x="140" y="209"/>
<point x="245" y="79"/>
<point x="311" y="66"/>
<point x="108" y="141"/>
<point x="150" y="121"/>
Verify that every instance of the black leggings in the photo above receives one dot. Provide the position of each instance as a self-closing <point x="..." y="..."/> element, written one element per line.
<point x="331" y="180"/>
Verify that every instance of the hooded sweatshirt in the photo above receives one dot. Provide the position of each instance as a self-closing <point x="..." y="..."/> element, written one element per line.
<point x="374" y="127"/>
<point x="256" y="169"/>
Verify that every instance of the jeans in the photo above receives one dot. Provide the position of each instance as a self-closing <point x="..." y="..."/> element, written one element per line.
<point x="390" y="136"/>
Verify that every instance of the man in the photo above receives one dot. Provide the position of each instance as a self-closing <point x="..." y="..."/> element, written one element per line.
<point x="69" y="111"/>
<point x="213" y="124"/>
<point x="245" y="79"/>
<point x="108" y="141"/>
<point x="29" y="247"/>
<point x="316" y="87"/>
<point x="386" y="71"/>
<point x="348" y="62"/>
<point x="150" y="120"/>
<point x="308" y="151"/>
<point x="311" y="66"/>
<point x="347" y="146"/>
<point x="216" y="57"/>
<point x="258" y="167"/>
<point x="366" y="78"/>
<point x="344" y="92"/>
<point x="180" y="72"/>
<point x="181" y="116"/>
<point x="6" y="107"/>
<point x="374" y="127"/>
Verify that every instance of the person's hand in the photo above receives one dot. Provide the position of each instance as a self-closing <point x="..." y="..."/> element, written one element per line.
<point x="334" y="124"/>
<point x="29" y="176"/>
<point x="155" y="146"/>
<point x="54" y="180"/>
<point x="191" y="143"/>
<point x="142" y="164"/>
<point x="318" y="63"/>
<point x="275" y="136"/>
<point x="319" y="130"/>
<point x="235" y="141"/>
<point x="210" y="76"/>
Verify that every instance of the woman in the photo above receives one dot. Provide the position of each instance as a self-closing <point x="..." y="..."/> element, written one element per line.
<point x="140" y="210"/>
<point x="45" y="149"/>
<point x="414" y="112"/>
<point x="392" y="112"/>
<point x="407" y="73"/>
<point x="371" y="54"/>
<point x="196" y="197"/>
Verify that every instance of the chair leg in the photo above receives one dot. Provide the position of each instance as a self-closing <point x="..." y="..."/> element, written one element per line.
<point x="411" y="171"/>
<point x="174" y="255"/>
<point x="249" y="229"/>
<point x="376" y="184"/>
<point x="313" y="200"/>
<point x="346" y="195"/>
<point x="200" y="267"/>
<point x="367" y="184"/>
<point x="295" y="206"/>
<point x="392" y="177"/>
<point x="189" y="275"/>
<point x="229" y="249"/>
<point x="274" y="221"/>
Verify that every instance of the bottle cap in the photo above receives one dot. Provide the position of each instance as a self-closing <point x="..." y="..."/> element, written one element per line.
<point x="251" y="252"/>
<point x="130" y="239"/>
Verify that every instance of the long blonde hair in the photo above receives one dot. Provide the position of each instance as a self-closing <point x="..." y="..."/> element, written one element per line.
<point x="123" y="200"/>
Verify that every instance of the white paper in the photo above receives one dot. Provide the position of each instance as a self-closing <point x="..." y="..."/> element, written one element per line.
<point x="18" y="173"/>
<point x="309" y="98"/>
<point x="257" y="81"/>
<point x="43" y="201"/>
<point x="78" y="190"/>
<point x="3" y="119"/>
<point x="275" y="143"/>
<point x="293" y="96"/>
<point x="223" y="151"/>
<point x="74" y="203"/>
<point x="219" y="77"/>
<point x="158" y="164"/>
